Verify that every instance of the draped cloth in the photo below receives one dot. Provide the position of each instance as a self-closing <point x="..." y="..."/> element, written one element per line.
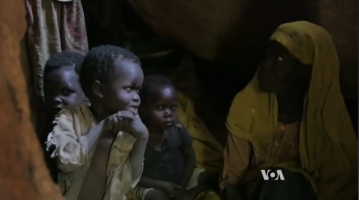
<point x="53" y="26"/>
<point x="327" y="144"/>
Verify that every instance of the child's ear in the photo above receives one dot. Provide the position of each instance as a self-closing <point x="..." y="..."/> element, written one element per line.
<point x="97" y="89"/>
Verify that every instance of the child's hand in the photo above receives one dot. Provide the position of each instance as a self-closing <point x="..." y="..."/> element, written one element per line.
<point x="118" y="121"/>
<point x="136" y="128"/>
<point x="169" y="188"/>
<point x="192" y="193"/>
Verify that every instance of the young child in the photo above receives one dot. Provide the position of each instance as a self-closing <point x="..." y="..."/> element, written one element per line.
<point x="61" y="81"/>
<point x="169" y="167"/>
<point x="100" y="148"/>
<point x="62" y="88"/>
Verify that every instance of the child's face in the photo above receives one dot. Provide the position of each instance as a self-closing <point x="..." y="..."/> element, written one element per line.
<point x="159" y="110"/>
<point x="120" y="91"/>
<point x="62" y="88"/>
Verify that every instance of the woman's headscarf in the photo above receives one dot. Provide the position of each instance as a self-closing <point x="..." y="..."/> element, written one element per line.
<point x="328" y="146"/>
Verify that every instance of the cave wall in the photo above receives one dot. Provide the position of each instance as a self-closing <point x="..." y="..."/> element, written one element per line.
<point x="23" y="174"/>
<point x="233" y="33"/>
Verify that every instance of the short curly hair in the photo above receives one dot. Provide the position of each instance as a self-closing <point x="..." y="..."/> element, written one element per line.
<point x="64" y="59"/>
<point x="99" y="64"/>
<point x="153" y="82"/>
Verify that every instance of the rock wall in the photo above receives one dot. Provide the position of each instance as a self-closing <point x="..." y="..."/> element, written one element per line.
<point x="23" y="174"/>
<point x="233" y="33"/>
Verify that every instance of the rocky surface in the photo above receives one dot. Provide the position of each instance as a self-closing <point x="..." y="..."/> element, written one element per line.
<point x="23" y="174"/>
<point x="233" y="33"/>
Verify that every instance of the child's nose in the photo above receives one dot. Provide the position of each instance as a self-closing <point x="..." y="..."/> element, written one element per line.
<point x="57" y="99"/>
<point x="168" y="113"/>
<point x="136" y="97"/>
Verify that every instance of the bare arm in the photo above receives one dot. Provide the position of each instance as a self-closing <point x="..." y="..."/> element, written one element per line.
<point x="150" y="183"/>
<point x="236" y="161"/>
<point x="137" y="155"/>
<point x="85" y="144"/>
<point x="101" y="138"/>
<point x="71" y="149"/>
<point x="97" y="172"/>
<point x="190" y="164"/>
<point x="188" y="154"/>
<point x="93" y="135"/>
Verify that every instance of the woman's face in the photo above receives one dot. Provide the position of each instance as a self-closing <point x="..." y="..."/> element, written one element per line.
<point x="281" y="71"/>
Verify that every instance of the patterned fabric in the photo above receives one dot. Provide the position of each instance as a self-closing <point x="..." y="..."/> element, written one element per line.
<point x="53" y="26"/>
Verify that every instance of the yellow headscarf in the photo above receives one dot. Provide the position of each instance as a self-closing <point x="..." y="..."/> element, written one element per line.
<point x="327" y="143"/>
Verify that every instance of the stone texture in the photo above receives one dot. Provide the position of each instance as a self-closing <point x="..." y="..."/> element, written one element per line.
<point x="23" y="174"/>
<point x="233" y="33"/>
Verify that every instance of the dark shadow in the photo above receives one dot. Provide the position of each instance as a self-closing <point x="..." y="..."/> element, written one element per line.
<point x="113" y="26"/>
<point x="28" y="74"/>
<point x="246" y="40"/>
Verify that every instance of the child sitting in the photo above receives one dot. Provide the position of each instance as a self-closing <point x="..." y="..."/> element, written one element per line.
<point x="61" y="81"/>
<point x="100" y="148"/>
<point x="62" y="88"/>
<point x="169" y="166"/>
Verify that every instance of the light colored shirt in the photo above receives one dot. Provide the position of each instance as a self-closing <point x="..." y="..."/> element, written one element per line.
<point x="74" y="156"/>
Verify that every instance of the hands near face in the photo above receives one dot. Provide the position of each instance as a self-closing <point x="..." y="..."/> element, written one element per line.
<point x="127" y="121"/>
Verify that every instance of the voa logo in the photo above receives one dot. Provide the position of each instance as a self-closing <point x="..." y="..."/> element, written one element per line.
<point x="272" y="175"/>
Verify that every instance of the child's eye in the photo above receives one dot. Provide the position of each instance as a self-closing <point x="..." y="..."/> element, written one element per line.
<point x="173" y="107"/>
<point x="160" y="107"/>
<point x="66" y="91"/>
<point x="279" y="58"/>
<point x="128" y="89"/>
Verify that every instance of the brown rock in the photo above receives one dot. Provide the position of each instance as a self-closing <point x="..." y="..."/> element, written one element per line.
<point x="23" y="174"/>
<point x="234" y="32"/>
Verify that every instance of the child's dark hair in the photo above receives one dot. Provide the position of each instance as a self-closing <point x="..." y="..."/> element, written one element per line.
<point x="99" y="64"/>
<point x="64" y="59"/>
<point x="153" y="82"/>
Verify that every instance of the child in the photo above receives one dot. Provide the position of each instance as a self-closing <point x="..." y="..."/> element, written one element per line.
<point x="61" y="81"/>
<point x="100" y="147"/>
<point x="169" y="171"/>
<point x="62" y="88"/>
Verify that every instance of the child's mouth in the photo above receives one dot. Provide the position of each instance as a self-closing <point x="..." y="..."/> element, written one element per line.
<point x="134" y="109"/>
<point x="169" y="123"/>
<point x="56" y="109"/>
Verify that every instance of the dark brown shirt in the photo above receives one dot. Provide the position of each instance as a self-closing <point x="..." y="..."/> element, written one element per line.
<point x="167" y="163"/>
